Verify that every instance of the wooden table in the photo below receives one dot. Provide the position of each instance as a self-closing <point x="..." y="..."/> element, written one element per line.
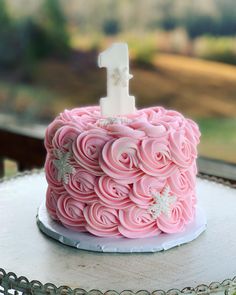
<point x="24" y="250"/>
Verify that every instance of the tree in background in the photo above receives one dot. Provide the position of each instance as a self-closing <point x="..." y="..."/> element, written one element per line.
<point x="8" y="55"/>
<point x="24" y="41"/>
<point x="54" y="23"/>
<point x="4" y="16"/>
<point x="111" y="26"/>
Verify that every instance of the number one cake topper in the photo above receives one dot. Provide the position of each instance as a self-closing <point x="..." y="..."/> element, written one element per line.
<point x="118" y="101"/>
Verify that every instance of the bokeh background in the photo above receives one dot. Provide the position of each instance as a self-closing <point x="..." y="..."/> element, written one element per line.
<point x="183" y="56"/>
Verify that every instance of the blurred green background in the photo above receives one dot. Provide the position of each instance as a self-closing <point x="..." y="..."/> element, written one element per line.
<point x="183" y="56"/>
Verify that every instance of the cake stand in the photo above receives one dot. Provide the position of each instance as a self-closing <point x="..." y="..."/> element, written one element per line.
<point x="29" y="259"/>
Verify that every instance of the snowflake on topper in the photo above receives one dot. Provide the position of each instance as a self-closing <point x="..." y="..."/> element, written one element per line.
<point x="63" y="165"/>
<point x="162" y="203"/>
<point x="121" y="76"/>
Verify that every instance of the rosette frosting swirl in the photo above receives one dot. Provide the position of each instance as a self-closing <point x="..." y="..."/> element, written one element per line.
<point x="51" y="202"/>
<point x="149" y="129"/>
<point x="182" y="213"/>
<point x="155" y="157"/>
<point x="101" y="220"/>
<point x="183" y="151"/>
<point x="145" y="188"/>
<point x="81" y="117"/>
<point x="87" y="148"/>
<point x="70" y="213"/>
<point x="118" y="130"/>
<point x="136" y="222"/>
<point x="113" y="194"/>
<point x="119" y="159"/>
<point x="50" y="133"/>
<point x="81" y="186"/>
<point x="51" y="173"/>
<point x="182" y="182"/>
<point x="64" y="137"/>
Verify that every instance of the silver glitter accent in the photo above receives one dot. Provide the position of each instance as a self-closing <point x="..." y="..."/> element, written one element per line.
<point x="114" y="120"/>
<point x="162" y="203"/>
<point x="63" y="165"/>
<point x="121" y="76"/>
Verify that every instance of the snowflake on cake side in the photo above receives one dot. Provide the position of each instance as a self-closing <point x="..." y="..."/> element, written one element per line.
<point x="62" y="163"/>
<point x="162" y="203"/>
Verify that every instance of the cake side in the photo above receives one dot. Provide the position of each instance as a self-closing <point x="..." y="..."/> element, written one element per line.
<point x="132" y="176"/>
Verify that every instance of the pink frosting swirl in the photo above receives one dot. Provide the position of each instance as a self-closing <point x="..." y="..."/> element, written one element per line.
<point x="92" y="111"/>
<point x="182" y="213"/>
<point x="51" y="202"/>
<point x="119" y="159"/>
<point x="183" y="151"/>
<point x="64" y="137"/>
<point x="155" y="157"/>
<point x="101" y="221"/>
<point x="182" y="182"/>
<point x="87" y="148"/>
<point x="144" y="189"/>
<point x="137" y="115"/>
<point x="113" y="194"/>
<point x="81" y="185"/>
<point x="154" y="113"/>
<point x="149" y="129"/>
<point x="136" y="222"/>
<point x="172" y="120"/>
<point x="70" y="213"/>
<point x="118" y="130"/>
<point x="52" y="174"/>
<point x="50" y="133"/>
<point x="81" y="117"/>
<point x="192" y="131"/>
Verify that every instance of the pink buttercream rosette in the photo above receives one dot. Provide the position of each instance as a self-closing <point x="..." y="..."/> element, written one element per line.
<point x="133" y="177"/>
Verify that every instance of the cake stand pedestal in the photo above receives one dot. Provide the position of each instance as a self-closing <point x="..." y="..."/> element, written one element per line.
<point x="25" y="251"/>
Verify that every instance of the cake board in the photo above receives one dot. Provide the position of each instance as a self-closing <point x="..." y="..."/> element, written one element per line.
<point x="86" y="241"/>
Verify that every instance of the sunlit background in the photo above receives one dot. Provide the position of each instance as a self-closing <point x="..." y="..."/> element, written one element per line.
<point x="183" y="56"/>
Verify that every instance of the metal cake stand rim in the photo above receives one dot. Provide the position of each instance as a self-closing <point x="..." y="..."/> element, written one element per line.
<point x="20" y="284"/>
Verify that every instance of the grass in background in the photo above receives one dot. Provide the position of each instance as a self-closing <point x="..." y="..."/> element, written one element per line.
<point x="218" y="138"/>
<point x="222" y="49"/>
<point x="10" y="168"/>
<point x="29" y="103"/>
<point x="143" y="45"/>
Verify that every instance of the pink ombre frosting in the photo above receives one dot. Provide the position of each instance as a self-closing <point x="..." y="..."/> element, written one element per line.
<point x="105" y="174"/>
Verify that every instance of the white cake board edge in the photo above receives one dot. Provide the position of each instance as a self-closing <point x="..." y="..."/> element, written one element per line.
<point x="86" y="241"/>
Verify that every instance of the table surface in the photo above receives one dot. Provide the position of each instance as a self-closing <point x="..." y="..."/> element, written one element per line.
<point x="25" y="251"/>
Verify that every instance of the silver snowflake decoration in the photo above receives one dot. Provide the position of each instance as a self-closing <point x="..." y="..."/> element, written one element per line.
<point x="114" y="120"/>
<point x="121" y="76"/>
<point x="62" y="163"/>
<point x="162" y="203"/>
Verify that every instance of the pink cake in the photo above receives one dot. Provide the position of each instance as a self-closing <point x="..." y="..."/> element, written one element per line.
<point x="132" y="176"/>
